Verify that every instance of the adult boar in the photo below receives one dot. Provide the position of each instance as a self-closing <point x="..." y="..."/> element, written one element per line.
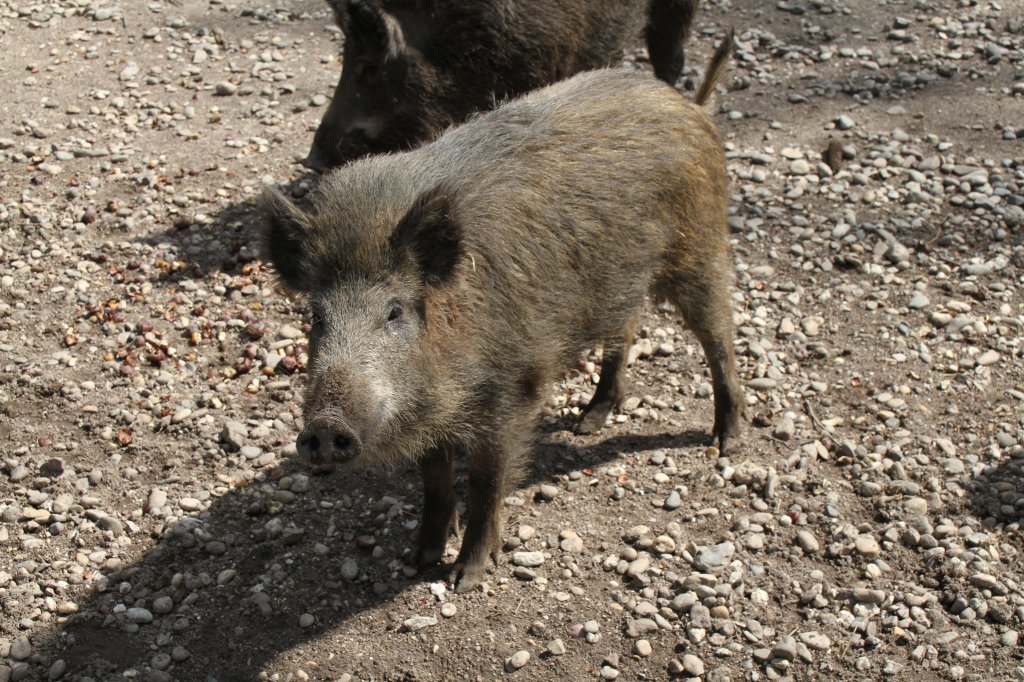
<point x="451" y="285"/>
<point x="411" y="68"/>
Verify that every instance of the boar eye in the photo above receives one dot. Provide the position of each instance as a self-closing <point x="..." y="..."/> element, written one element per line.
<point x="365" y="71"/>
<point x="395" y="312"/>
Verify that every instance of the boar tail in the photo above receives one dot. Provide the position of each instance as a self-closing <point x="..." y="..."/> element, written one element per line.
<point x="706" y="93"/>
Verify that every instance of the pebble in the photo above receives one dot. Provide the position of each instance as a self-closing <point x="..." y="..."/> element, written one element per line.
<point x="571" y="542"/>
<point x="517" y="660"/>
<point x="785" y="428"/>
<point x="163" y="605"/>
<point x="349" y="569"/>
<point x="20" y="648"/>
<point x="989" y="357"/>
<point x="918" y="301"/>
<point x="417" y="623"/>
<point x="785" y="649"/>
<point x="867" y="546"/>
<point x="139" y="615"/>
<point x="638" y="566"/>
<point x="693" y="665"/>
<point x="815" y="640"/>
<point x="225" y="88"/>
<point x="548" y="492"/>
<point x="157" y="500"/>
<point x="528" y="559"/>
<point x="762" y="384"/>
<point x="808" y="543"/>
<point x="715" y="556"/>
<point x="57" y="669"/>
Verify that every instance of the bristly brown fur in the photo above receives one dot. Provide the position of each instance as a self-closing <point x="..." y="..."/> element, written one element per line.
<point x="706" y="95"/>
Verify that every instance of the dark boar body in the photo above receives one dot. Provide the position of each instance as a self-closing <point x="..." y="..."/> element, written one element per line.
<point x="411" y="68"/>
<point x="451" y="285"/>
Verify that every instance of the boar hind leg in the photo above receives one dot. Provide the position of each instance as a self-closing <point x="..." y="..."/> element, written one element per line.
<point x="493" y="465"/>
<point x="667" y="28"/>
<point x="611" y="388"/>
<point x="704" y="303"/>
<point x="439" y="518"/>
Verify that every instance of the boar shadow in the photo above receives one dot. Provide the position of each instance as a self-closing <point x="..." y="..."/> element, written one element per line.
<point x="993" y="491"/>
<point x="225" y="243"/>
<point x="220" y="623"/>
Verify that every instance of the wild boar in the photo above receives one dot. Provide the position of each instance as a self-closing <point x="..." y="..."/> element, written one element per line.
<point x="450" y="285"/>
<point x="412" y="68"/>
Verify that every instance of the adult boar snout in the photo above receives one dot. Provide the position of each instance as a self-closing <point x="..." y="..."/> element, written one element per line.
<point x="315" y="163"/>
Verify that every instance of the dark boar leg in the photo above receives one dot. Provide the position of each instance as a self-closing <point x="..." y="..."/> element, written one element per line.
<point x="611" y="387"/>
<point x="439" y="518"/>
<point x="493" y="465"/>
<point x="667" y="28"/>
<point x="706" y="308"/>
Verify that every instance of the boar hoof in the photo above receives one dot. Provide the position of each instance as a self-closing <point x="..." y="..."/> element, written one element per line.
<point x="426" y="556"/>
<point x="593" y="419"/>
<point x="726" y="435"/>
<point x="467" y="577"/>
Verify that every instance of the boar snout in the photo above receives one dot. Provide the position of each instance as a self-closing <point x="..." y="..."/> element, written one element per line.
<point x="326" y="441"/>
<point x="314" y="163"/>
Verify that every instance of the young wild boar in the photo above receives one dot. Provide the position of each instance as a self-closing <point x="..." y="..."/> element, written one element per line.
<point x="411" y="68"/>
<point x="451" y="285"/>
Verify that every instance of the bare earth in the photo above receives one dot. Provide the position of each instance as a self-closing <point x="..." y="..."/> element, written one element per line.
<point x="153" y="522"/>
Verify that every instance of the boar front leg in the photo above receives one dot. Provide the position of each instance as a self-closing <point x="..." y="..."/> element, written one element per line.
<point x="493" y="465"/>
<point x="439" y="518"/>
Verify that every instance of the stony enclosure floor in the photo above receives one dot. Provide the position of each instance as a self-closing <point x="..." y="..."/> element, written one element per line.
<point x="155" y="526"/>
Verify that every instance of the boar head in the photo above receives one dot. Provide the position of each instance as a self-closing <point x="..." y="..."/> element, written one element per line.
<point x="376" y="382"/>
<point x="387" y="98"/>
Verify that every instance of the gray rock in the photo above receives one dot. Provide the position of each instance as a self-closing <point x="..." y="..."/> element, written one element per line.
<point x="139" y="615"/>
<point x="692" y="665"/>
<point x="897" y="253"/>
<point x="785" y="649"/>
<point x="715" y="557"/>
<point x="918" y="300"/>
<point x="417" y="623"/>
<point x="349" y="569"/>
<point x="528" y="559"/>
<point x="21" y="648"/>
<point x="234" y="435"/>
<point x="517" y="660"/>
<point x="548" y="492"/>
<point x="785" y="428"/>
<point x="807" y="542"/>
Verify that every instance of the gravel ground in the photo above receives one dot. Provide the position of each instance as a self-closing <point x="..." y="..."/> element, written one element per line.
<point x="154" y="526"/>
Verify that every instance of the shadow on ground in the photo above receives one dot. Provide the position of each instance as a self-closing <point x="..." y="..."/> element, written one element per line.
<point x="239" y="577"/>
<point x="997" y="493"/>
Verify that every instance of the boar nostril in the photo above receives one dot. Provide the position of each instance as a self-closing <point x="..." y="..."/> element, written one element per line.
<point x="342" y="442"/>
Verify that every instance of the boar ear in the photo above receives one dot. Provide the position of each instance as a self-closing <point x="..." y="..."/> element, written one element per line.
<point x="284" y="238"/>
<point x="430" y="235"/>
<point x="373" y="27"/>
<point x="339" y="9"/>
